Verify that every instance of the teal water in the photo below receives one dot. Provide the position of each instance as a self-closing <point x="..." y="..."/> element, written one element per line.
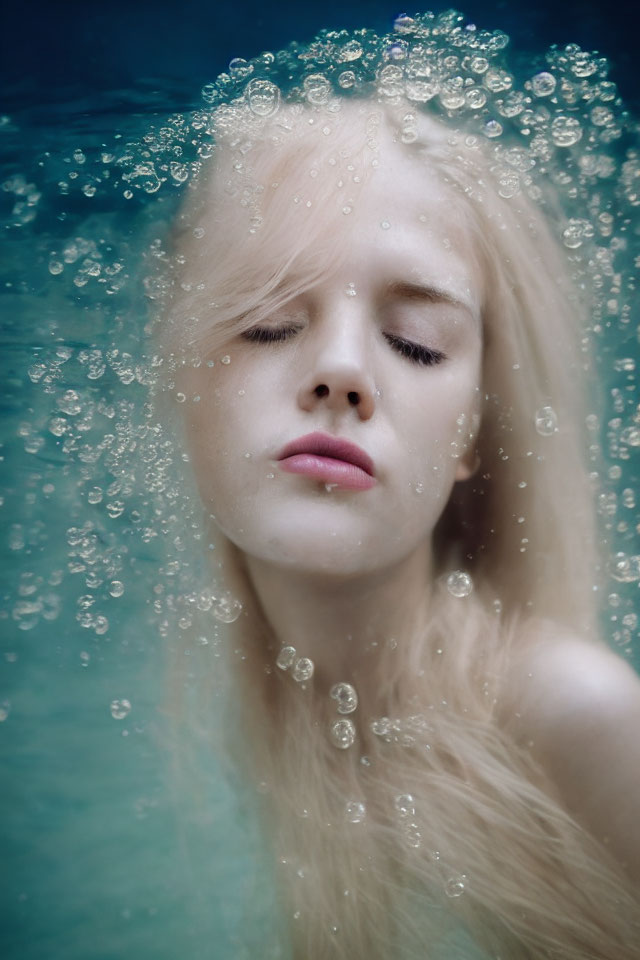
<point x="104" y="855"/>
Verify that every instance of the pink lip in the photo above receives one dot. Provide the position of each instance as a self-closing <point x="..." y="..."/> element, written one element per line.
<point x="329" y="460"/>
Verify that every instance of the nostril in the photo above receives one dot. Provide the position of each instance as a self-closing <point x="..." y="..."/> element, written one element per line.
<point x="321" y="390"/>
<point x="353" y="398"/>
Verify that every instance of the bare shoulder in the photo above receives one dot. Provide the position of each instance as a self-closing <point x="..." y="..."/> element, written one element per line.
<point x="557" y="675"/>
<point x="576" y="705"/>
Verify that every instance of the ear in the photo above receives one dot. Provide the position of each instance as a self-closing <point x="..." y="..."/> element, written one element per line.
<point x="467" y="465"/>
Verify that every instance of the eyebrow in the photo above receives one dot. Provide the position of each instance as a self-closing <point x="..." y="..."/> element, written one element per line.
<point x="425" y="293"/>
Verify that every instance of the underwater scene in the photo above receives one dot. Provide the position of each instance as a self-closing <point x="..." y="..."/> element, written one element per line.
<point x="124" y="833"/>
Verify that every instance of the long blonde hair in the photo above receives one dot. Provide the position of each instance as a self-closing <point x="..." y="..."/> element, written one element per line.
<point x="438" y="820"/>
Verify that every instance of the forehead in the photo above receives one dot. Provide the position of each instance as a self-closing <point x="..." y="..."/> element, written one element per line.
<point x="318" y="190"/>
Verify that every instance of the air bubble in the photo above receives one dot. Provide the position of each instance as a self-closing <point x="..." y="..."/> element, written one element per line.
<point x="317" y="89"/>
<point x="263" y="97"/>
<point x="381" y="727"/>
<point x="286" y="657"/>
<point x="577" y="231"/>
<point x="543" y="84"/>
<point x="405" y="805"/>
<point x="459" y="584"/>
<point x="546" y="421"/>
<point x="345" y="696"/>
<point x="303" y="669"/>
<point x="355" y="811"/>
<point x="566" y="131"/>
<point x="226" y="359"/>
<point x="120" y="709"/>
<point x="347" y="79"/>
<point x="352" y="50"/>
<point x="227" y="609"/>
<point x="455" y="886"/>
<point x="116" y="588"/>
<point x="343" y="734"/>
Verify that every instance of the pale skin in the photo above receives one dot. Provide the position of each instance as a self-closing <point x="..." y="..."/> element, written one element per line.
<point x="346" y="570"/>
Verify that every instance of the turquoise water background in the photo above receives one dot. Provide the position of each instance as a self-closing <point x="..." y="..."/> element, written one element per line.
<point x="103" y="856"/>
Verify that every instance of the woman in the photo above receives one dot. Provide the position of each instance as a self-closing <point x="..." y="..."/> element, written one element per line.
<point x="380" y="356"/>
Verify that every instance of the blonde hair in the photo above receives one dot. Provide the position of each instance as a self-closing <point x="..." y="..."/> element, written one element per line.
<point x="458" y="815"/>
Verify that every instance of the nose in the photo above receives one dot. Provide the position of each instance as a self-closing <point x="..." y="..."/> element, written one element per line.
<point x="338" y="376"/>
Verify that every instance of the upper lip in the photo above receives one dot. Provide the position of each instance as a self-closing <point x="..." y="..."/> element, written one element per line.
<point x="324" y="445"/>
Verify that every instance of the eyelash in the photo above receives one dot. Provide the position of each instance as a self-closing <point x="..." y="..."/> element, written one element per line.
<point x="414" y="352"/>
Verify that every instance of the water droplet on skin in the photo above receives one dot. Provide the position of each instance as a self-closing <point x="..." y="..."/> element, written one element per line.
<point x="459" y="584"/>
<point x="347" y="209"/>
<point x="117" y="588"/>
<point x="120" y="709"/>
<point x="303" y="669"/>
<point x="385" y="224"/>
<point x="546" y="421"/>
<point x="343" y="734"/>
<point x="226" y="359"/>
<point x="345" y="696"/>
<point x="354" y="811"/>
<point x="350" y="290"/>
<point x="454" y="887"/>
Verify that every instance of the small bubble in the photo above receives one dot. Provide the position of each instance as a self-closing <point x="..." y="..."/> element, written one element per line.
<point x="454" y="887"/>
<point x="120" y="709"/>
<point x="5" y="709"/>
<point x="226" y="608"/>
<point x="286" y="657"/>
<point x="350" y="290"/>
<point x="303" y="669"/>
<point x="546" y="421"/>
<point x="317" y="89"/>
<point x="263" y="97"/>
<point x="347" y="209"/>
<point x="566" y="131"/>
<point x="226" y="359"/>
<point x="543" y="84"/>
<point x="405" y="805"/>
<point x="354" y="811"/>
<point x="492" y="129"/>
<point x="95" y="495"/>
<point x="381" y="727"/>
<point x="459" y="584"/>
<point x="347" y="79"/>
<point x="55" y="267"/>
<point x="345" y="696"/>
<point x="116" y="588"/>
<point x="385" y="224"/>
<point x="343" y="734"/>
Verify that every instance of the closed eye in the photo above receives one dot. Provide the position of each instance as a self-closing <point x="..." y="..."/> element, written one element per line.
<point x="271" y="334"/>
<point x="423" y="356"/>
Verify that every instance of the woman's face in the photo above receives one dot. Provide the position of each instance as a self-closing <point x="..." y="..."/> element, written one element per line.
<point x="329" y="437"/>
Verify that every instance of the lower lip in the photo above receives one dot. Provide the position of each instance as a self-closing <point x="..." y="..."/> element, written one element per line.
<point x="346" y="476"/>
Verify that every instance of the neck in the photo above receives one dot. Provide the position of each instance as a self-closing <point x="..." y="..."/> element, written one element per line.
<point x="344" y="624"/>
